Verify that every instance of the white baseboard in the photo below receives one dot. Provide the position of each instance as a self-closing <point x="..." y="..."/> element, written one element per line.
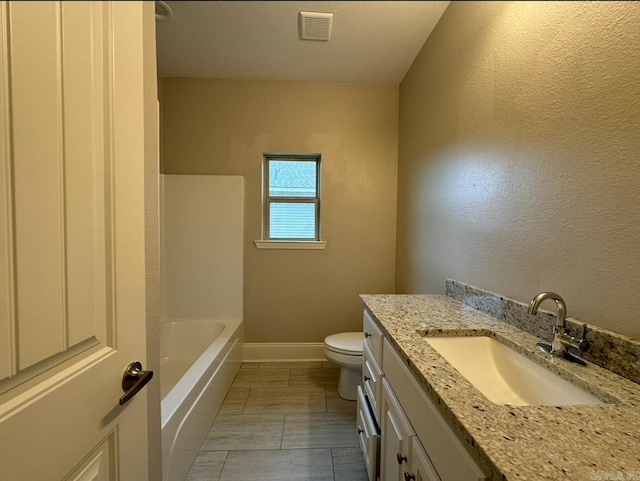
<point x="283" y="351"/>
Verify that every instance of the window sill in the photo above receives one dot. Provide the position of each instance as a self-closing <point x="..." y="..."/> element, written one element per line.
<point x="299" y="245"/>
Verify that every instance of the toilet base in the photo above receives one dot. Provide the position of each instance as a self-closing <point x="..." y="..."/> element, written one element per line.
<point x="348" y="384"/>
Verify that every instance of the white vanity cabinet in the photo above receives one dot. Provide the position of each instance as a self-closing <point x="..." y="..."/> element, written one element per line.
<point x="372" y="364"/>
<point x="368" y="417"/>
<point x="435" y="451"/>
<point x="403" y="456"/>
<point x="415" y="442"/>
<point x="373" y="337"/>
<point x="372" y="380"/>
<point x="368" y="435"/>
<point x="420" y="468"/>
<point x="395" y="448"/>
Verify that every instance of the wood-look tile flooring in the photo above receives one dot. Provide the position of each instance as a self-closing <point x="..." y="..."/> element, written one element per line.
<point x="282" y="422"/>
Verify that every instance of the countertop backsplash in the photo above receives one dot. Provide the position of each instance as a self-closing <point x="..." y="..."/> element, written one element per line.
<point x="607" y="349"/>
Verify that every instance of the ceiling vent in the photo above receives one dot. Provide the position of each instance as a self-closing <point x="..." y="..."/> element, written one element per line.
<point x="314" y="25"/>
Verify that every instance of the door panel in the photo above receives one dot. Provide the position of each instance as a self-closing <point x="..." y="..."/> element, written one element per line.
<point x="36" y="128"/>
<point x="67" y="410"/>
<point x="99" y="464"/>
<point x="72" y="306"/>
<point x="84" y="203"/>
<point x="57" y="168"/>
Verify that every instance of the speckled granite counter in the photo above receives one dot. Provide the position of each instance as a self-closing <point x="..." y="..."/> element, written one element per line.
<point x="516" y="442"/>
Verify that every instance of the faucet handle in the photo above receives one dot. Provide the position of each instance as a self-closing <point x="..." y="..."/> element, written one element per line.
<point x="584" y="332"/>
<point x="583" y="345"/>
<point x="571" y="341"/>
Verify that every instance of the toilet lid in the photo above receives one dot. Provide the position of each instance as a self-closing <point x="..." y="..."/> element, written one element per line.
<point x="349" y="343"/>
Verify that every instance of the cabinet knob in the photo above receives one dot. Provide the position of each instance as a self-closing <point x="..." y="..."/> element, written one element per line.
<point x="400" y="458"/>
<point x="360" y="431"/>
<point x="366" y="334"/>
<point x="367" y="378"/>
<point x="409" y="476"/>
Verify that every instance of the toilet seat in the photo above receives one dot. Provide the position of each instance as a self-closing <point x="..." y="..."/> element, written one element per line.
<point x="346" y="343"/>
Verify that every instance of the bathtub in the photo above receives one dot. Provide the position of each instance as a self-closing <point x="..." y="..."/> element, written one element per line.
<point x="199" y="359"/>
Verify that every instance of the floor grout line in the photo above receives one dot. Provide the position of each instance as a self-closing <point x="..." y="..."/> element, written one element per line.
<point x="223" y="464"/>
<point x="333" y="465"/>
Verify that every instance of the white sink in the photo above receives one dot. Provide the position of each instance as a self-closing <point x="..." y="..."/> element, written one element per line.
<point x="505" y="376"/>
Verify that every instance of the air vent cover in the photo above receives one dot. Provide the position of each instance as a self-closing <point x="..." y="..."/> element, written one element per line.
<point x="314" y="25"/>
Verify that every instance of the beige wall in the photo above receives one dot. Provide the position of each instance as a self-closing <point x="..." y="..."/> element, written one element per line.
<point x="519" y="156"/>
<point x="223" y="127"/>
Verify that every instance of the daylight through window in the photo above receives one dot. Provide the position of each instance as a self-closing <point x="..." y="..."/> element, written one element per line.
<point x="291" y="197"/>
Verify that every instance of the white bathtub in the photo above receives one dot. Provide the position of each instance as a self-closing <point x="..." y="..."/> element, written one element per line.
<point x="199" y="359"/>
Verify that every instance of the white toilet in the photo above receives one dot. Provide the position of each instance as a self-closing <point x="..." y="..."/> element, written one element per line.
<point x="345" y="349"/>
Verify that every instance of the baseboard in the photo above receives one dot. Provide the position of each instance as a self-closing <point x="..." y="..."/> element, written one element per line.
<point x="283" y="351"/>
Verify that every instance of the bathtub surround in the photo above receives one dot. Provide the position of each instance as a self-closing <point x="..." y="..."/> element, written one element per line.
<point x="518" y="165"/>
<point x="223" y="127"/>
<point x="201" y="246"/>
<point x="607" y="349"/>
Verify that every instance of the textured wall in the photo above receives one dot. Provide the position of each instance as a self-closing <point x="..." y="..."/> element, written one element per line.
<point x="519" y="164"/>
<point x="224" y="126"/>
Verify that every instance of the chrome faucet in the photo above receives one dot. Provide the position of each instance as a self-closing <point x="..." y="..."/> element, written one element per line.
<point x="561" y="338"/>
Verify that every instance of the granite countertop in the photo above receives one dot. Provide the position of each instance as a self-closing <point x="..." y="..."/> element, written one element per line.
<point x="599" y="441"/>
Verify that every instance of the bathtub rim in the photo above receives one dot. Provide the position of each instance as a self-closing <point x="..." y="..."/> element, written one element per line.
<point x="172" y="401"/>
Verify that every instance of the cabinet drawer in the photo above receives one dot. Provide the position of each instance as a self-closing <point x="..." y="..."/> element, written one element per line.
<point x="368" y="435"/>
<point x="372" y="380"/>
<point x="372" y="337"/>
<point x="447" y="453"/>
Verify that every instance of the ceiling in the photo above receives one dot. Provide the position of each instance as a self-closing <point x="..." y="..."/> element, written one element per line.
<point x="372" y="42"/>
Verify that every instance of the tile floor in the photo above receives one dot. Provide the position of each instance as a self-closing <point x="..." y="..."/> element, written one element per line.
<point x="282" y="422"/>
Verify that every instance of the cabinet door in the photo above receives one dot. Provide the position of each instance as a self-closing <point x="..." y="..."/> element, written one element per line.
<point x="421" y="468"/>
<point x="396" y="433"/>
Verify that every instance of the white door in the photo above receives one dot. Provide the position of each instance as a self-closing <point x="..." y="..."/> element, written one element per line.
<point x="72" y="305"/>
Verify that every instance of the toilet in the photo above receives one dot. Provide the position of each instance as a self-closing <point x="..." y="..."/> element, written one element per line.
<point x="345" y="350"/>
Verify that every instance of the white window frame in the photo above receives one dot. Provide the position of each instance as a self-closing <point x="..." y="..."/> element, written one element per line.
<point x="290" y="243"/>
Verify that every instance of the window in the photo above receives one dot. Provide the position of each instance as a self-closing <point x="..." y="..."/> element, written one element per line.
<point x="291" y="197"/>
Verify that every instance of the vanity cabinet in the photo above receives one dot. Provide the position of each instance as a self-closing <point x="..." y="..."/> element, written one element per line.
<point x="395" y="448"/>
<point x="372" y="381"/>
<point x="438" y="452"/>
<point x="369" y="394"/>
<point x="421" y="468"/>
<point x="403" y="456"/>
<point x="372" y="364"/>
<point x="373" y="338"/>
<point x="368" y="435"/>
<point x="397" y="419"/>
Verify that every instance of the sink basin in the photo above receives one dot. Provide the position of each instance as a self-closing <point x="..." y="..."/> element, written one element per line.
<point x="505" y="376"/>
